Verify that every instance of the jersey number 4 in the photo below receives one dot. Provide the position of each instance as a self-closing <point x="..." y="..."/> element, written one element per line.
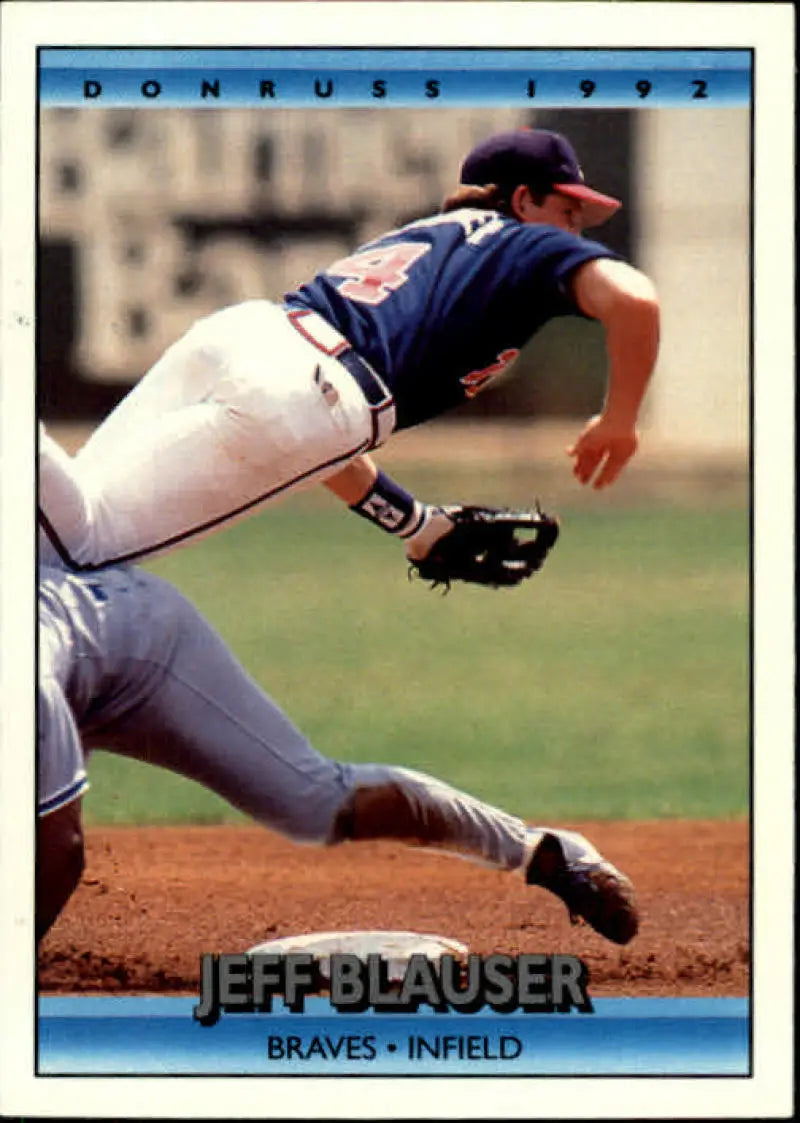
<point x="375" y="274"/>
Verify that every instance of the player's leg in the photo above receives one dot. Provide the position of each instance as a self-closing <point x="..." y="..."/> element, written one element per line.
<point x="65" y="510"/>
<point x="59" y="862"/>
<point x="61" y="781"/>
<point x="390" y="802"/>
<point x="183" y="702"/>
<point x="189" y="706"/>
<point x="419" y="810"/>
<point x="79" y="526"/>
<point x="231" y="417"/>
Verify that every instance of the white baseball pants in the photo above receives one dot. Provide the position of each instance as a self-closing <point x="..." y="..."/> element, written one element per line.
<point x="240" y="410"/>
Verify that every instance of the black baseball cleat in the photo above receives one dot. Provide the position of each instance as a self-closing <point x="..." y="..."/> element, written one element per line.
<point x="592" y="889"/>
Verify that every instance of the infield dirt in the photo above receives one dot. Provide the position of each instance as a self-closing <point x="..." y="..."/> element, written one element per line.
<point x="153" y="899"/>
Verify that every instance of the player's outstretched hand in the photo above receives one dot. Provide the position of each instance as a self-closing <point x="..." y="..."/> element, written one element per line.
<point x="602" y="450"/>
<point x="436" y="523"/>
<point x="482" y="545"/>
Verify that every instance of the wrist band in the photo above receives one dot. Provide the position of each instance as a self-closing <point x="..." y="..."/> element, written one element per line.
<point x="391" y="507"/>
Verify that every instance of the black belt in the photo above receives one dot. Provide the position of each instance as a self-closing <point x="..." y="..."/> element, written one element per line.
<point x="332" y="343"/>
<point x="378" y="396"/>
<point x="373" y="388"/>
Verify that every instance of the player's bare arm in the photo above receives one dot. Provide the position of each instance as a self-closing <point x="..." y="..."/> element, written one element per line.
<point x="625" y="302"/>
<point x="374" y="495"/>
<point x="354" y="481"/>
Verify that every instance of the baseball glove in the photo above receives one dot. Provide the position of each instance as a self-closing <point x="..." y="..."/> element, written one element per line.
<point x="488" y="546"/>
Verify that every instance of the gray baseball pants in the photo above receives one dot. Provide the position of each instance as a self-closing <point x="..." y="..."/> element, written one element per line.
<point x="128" y="665"/>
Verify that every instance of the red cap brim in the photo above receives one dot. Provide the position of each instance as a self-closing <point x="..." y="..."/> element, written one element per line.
<point x="597" y="208"/>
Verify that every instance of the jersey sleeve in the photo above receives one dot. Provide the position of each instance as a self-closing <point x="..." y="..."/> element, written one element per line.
<point x="549" y="257"/>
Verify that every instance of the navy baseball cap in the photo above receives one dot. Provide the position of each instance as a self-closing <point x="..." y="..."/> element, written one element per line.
<point x="539" y="159"/>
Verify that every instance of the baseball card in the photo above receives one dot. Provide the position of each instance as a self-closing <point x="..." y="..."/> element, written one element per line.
<point x="397" y="494"/>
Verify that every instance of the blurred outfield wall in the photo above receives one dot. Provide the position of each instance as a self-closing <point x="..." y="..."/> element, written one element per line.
<point x="693" y="188"/>
<point x="165" y="215"/>
<point x="152" y="217"/>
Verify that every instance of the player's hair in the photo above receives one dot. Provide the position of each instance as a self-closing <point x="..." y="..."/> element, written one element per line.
<point x="489" y="197"/>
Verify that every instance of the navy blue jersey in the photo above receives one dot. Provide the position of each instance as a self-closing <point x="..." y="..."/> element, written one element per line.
<point x="441" y="306"/>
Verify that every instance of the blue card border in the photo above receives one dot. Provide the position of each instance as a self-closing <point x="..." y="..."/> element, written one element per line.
<point x="158" y="1036"/>
<point x="343" y="77"/>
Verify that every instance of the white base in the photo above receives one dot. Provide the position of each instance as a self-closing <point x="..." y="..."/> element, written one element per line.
<point x="395" y="947"/>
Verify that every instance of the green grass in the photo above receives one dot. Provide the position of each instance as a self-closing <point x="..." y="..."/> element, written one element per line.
<point x="613" y="685"/>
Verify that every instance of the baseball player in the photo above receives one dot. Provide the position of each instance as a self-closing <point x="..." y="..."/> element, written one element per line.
<point x="261" y="398"/>
<point x="128" y="665"/>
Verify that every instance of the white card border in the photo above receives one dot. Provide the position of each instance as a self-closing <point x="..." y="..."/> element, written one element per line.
<point x="768" y="28"/>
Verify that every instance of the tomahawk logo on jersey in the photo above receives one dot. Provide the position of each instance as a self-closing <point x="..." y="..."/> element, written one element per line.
<point x="441" y="306"/>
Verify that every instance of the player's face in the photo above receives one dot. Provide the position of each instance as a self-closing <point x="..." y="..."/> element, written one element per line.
<point x="556" y="210"/>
